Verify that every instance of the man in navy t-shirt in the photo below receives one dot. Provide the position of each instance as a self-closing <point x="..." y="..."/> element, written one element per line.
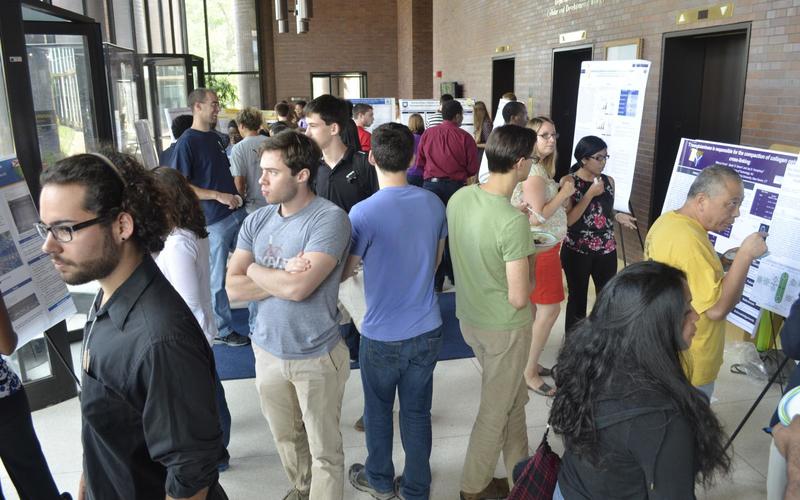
<point x="399" y="235"/>
<point x="200" y="157"/>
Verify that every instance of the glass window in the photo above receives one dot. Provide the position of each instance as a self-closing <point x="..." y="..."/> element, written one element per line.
<point x="196" y="28"/>
<point x="344" y="85"/>
<point x="141" y="28"/>
<point x="73" y="5"/>
<point x="6" y="136"/>
<point x="62" y="95"/>
<point x="123" y="27"/>
<point x="122" y="88"/>
<point x="177" y="27"/>
<point x="166" y="20"/>
<point x="156" y="39"/>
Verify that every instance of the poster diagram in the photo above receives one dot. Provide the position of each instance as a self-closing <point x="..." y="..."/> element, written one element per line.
<point x="610" y="106"/>
<point x="34" y="294"/>
<point x="427" y="107"/>
<point x="383" y="109"/>
<point x="771" y="204"/>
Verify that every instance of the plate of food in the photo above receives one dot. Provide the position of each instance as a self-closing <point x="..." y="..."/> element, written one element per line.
<point x="543" y="240"/>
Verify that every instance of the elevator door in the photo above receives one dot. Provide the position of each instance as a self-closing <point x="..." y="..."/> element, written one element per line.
<point x="564" y="103"/>
<point x="702" y="95"/>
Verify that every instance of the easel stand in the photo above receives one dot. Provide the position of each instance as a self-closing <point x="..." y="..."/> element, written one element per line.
<point x="778" y="373"/>
<point x="622" y="235"/>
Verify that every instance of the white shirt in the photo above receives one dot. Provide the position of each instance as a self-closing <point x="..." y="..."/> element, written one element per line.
<point x="184" y="262"/>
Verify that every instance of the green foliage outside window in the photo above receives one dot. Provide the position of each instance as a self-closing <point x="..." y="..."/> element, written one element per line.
<point x="226" y="92"/>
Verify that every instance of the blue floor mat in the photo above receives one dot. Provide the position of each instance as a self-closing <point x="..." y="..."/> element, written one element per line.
<point x="238" y="362"/>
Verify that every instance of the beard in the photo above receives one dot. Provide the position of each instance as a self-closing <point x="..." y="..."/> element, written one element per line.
<point x="96" y="268"/>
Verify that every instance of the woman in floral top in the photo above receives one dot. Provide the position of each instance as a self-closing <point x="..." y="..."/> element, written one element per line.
<point x="19" y="447"/>
<point x="544" y="201"/>
<point x="590" y="248"/>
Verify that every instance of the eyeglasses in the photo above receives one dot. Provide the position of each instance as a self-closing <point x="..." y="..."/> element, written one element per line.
<point x="63" y="233"/>
<point x="547" y="137"/>
<point x="600" y="158"/>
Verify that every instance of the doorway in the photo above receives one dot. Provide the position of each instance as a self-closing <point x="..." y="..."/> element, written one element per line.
<point x="564" y="102"/>
<point x="502" y="80"/>
<point x="702" y="95"/>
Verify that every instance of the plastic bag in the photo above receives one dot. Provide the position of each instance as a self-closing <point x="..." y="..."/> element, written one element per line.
<point x="745" y="360"/>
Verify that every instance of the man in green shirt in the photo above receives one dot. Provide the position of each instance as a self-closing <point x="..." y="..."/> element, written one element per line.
<point x="492" y="253"/>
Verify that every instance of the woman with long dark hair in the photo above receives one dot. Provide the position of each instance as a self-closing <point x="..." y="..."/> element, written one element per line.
<point x="633" y="426"/>
<point x="590" y="248"/>
<point x="184" y="261"/>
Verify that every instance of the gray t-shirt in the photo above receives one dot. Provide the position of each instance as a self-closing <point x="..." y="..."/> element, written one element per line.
<point x="245" y="162"/>
<point x="309" y="328"/>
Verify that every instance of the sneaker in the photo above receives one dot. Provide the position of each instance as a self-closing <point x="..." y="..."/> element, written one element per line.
<point x="295" y="494"/>
<point x="359" y="425"/>
<point x="358" y="478"/>
<point x="496" y="489"/>
<point x="233" y="339"/>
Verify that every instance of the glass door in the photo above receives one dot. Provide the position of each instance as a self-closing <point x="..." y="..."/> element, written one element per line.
<point x="63" y="99"/>
<point x="122" y="81"/>
<point x="167" y="80"/>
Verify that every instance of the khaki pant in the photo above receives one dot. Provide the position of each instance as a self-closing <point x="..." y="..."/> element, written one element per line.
<point x="302" y="402"/>
<point x="500" y="425"/>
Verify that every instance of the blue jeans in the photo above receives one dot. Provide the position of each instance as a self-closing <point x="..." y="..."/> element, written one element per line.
<point x="221" y="241"/>
<point x="444" y="190"/>
<point x="406" y="367"/>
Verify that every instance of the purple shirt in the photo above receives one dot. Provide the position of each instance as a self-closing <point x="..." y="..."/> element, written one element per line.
<point x="401" y="226"/>
<point x="416" y="169"/>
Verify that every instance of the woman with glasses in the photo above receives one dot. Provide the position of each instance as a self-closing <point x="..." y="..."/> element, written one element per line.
<point x="590" y="249"/>
<point x="633" y="426"/>
<point x="544" y="201"/>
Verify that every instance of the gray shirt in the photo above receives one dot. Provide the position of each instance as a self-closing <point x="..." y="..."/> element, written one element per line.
<point x="245" y="162"/>
<point x="309" y="328"/>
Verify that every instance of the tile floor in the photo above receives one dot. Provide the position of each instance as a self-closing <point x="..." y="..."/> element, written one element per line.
<point x="256" y="471"/>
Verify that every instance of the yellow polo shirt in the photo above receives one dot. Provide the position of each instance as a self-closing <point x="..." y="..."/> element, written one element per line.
<point x="682" y="242"/>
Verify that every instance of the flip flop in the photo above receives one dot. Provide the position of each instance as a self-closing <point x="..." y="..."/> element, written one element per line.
<point x="545" y="372"/>
<point x="543" y="390"/>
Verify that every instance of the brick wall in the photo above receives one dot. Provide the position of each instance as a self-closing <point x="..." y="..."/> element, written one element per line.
<point x="466" y="33"/>
<point x="343" y="36"/>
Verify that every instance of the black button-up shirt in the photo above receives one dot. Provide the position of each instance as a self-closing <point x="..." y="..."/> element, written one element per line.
<point x="351" y="180"/>
<point x="150" y="424"/>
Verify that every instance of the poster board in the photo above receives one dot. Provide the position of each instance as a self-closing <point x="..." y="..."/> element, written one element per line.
<point x="383" y="109"/>
<point x="610" y="106"/>
<point x="427" y="107"/>
<point x="771" y="203"/>
<point x="35" y="295"/>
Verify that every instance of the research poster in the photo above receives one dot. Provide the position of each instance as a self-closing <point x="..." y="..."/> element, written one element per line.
<point x="771" y="204"/>
<point x="35" y="295"/>
<point x="427" y="107"/>
<point x="610" y="106"/>
<point x="383" y="109"/>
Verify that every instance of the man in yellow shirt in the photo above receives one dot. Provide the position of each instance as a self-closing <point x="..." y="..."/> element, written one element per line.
<point x="680" y="239"/>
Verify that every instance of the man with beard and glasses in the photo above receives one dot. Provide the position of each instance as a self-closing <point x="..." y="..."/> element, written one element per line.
<point x="289" y="259"/>
<point x="148" y="402"/>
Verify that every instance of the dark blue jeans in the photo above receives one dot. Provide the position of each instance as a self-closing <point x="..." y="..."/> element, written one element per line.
<point x="444" y="190"/>
<point x="405" y="367"/>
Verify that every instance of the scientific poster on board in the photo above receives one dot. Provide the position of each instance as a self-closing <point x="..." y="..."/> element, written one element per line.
<point x="35" y="295"/>
<point x="427" y="107"/>
<point x="771" y="204"/>
<point x="383" y="109"/>
<point x="610" y="106"/>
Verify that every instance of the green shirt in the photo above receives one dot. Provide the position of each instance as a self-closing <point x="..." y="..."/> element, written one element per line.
<point x="486" y="232"/>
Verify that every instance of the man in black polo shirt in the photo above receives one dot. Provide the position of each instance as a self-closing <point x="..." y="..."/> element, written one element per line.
<point x="148" y="402"/>
<point x="345" y="176"/>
